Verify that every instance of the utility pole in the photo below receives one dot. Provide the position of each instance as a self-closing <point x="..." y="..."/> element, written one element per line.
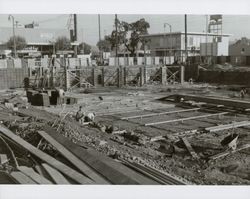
<point x="99" y="25"/>
<point x="171" y="42"/>
<point x="75" y="34"/>
<point x="116" y="40"/>
<point x="14" y="37"/>
<point x="206" y="37"/>
<point x="186" y="53"/>
<point x="17" y="24"/>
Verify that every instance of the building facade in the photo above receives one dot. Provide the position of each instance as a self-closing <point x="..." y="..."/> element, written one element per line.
<point x="198" y="44"/>
<point x="38" y="40"/>
<point x="240" y="52"/>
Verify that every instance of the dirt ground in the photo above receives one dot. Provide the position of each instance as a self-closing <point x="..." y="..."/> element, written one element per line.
<point x="170" y="155"/>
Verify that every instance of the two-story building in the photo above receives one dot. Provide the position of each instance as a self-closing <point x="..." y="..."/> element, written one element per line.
<point x="198" y="44"/>
<point x="240" y="52"/>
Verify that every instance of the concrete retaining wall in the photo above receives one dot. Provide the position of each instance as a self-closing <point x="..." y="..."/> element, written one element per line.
<point x="224" y="77"/>
<point x="12" y="77"/>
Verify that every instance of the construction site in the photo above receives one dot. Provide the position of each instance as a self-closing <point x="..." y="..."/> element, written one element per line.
<point x="141" y="124"/>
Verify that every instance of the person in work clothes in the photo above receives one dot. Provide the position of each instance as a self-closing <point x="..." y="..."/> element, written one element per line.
<point x="80" y="115"/>
<point x="90" y="117"/>
<point x="60" y="96"/>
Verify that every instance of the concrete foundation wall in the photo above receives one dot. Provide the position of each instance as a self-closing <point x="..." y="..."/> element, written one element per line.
<point x="225" y="77"/>
<point x="12" y="77"/>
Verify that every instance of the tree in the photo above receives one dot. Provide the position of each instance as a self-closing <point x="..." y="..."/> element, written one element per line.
<point x="128" y="34"/>
<point x="137" y="29"/>
<point x="62" y="43"/>
<point x="104" y="45"/>
<point x="85" y="47"/>
<point x="20" y="43"/>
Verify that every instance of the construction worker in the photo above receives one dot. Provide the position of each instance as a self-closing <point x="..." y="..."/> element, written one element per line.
<point x="60" y="94"/>
<point x="80" y="115"/>
<point x="242" y="93"/>
<point x="90" y="117"/>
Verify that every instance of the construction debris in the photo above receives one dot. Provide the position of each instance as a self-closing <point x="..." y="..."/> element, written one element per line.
<point x="116" y="147"/>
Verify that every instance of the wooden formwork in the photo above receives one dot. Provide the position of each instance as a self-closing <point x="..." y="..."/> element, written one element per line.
<point x="70" y="78"/>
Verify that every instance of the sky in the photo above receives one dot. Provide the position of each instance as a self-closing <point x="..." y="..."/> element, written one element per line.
<point x="236" y="25"/>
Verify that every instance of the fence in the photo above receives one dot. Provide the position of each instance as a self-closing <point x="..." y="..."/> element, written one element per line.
<point x="134" y="61"/>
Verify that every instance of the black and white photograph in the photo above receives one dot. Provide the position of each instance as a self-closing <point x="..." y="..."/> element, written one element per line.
<point x="122" y="98"/>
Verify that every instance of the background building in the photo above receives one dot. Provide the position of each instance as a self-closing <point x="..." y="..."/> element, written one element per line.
<point x="198" y="44"/>
<point x="240" y="52"/>
<point x="38" y="40"/>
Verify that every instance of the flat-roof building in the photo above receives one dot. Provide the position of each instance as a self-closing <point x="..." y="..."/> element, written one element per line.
<point x="173" y="44"/>
<point x="38" y="39"/>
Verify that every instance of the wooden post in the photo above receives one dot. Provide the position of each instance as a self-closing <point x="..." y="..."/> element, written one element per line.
<point x="124" y="75"/>
<point x="94" y="77"/>
<point x="182" y="73"/>
<point x="141" y="76"/>
<point x="66" y="75"/>
<point x="103" y="77"/>
<point x="51" y="77"/>
<point x="163" y="75"/>
<point x="145" y="74"/>
<point x="118" y="77"/>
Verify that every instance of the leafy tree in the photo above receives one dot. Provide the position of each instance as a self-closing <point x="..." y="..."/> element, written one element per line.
<point x="104" y="44"/>
<point x="20" y="43"/>
<point x="62" y="43"/>
<point x="85" y="47"/>
<point x="128" y="34"/>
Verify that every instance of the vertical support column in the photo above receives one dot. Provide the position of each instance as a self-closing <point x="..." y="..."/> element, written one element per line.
<point x="141" y="76"/>
<point x="52" y="76"/>
<point x="125" y="76"/>
<point x="103" y="77"/>
<point x="163" y="75"/>
<point x="67" y="80"/>
<point x="29" y="71"/>
<point x="119" y="77"/>
<point x="145" y="74"/>
<point x="94" y="77"/>
<point x="182" y="73"/>
<point x="66" y="75"/>
<point x="79" y="76"/>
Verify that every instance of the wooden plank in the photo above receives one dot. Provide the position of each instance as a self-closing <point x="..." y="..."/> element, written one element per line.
<point x="190" y="148"/>
<point x="45" y="157"/>
<point x="227" y="126"/>
<point x="225" y="153"/>
<point x="22" y="178"/>
<point x="6" y="178"/>
<point x="162" y="113"/>
<point x="88" y="171"/>
<point x="113" y="171"/>
<point x="213" y="100"/>
<point x="33" y="175"/>
<point x="57" y="177"/>
<point x="3" y="158"/>
<point x="185" y="119"/>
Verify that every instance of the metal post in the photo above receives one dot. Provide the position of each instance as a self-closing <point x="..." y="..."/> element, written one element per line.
<point x="186" y="53"/>
<point x="116" y="40"/>
<point x="75" y="34"/>
<point x="164" y="61"/>
<point x="99" y="26"/>
<point x="171" y="42"/>
<point x="14" y="37"/>
<point x="171" y="45"/>
<point x="206" y="35"/>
